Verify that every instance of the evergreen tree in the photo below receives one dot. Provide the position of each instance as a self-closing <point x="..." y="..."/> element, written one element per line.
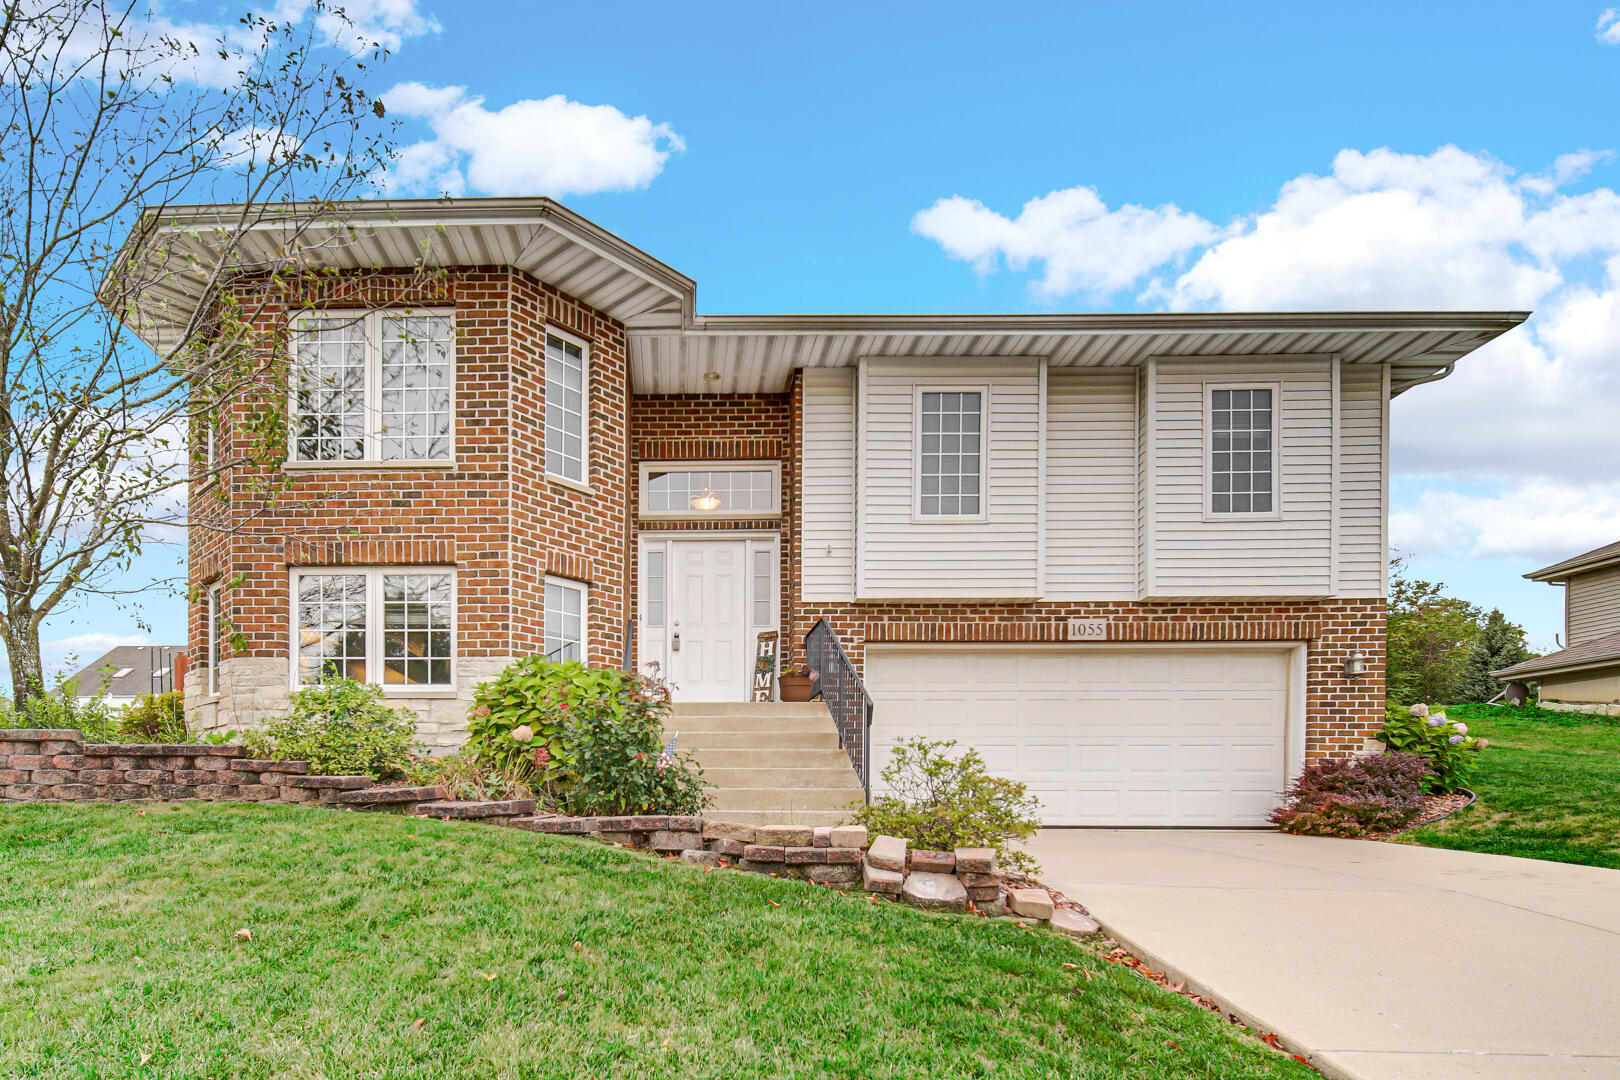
<point x="1500" y="644"/>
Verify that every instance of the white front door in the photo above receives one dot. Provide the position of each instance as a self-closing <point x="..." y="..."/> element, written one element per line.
<point x="700" y="601"/>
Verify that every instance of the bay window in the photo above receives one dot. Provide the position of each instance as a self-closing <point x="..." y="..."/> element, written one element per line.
<point x="390" y="626"/>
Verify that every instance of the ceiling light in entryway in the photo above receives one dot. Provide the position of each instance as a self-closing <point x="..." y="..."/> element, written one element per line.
<point x="705" y="501"/>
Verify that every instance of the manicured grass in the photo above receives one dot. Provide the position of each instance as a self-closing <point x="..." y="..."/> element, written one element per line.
<point x="525" y="956"/>
<point x="1548" y="787"/>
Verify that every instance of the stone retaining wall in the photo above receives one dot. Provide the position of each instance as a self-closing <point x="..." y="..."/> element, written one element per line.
<point x="56" y="764"/>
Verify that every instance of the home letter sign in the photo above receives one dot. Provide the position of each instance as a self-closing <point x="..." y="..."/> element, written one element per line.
<point x="765" y="665"/>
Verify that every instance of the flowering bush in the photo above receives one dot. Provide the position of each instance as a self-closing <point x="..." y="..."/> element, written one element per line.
<point x="1357" y="797"/>
<point x="1452" y="754"/>
<point x="591" y="737"/>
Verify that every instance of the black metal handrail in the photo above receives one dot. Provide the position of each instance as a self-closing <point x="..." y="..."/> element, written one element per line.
<point x="835" y="681"/>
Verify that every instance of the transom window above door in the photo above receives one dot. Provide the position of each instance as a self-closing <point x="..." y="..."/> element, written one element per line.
<point x="710" y="490"/>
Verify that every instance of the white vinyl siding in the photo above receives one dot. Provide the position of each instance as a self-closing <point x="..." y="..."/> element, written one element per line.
<point x="1362" y="562"/>
<point x="1091" y="485"/>
<point x="1194" y="553"/>
<point x="903" y="556"/>
<point x="1594" y="604"/>
<point x="828" y="483"/>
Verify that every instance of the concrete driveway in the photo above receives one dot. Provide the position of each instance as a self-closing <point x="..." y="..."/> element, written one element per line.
<point x="1379" y="961"/>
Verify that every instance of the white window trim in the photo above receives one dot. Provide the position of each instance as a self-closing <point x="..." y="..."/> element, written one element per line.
<point x="371" y="326"/>
<point x="584" y="614"/>
<point x="748" y="465"/>
<point x="215" y="646"/>
<point x="374" y="628"/>
<point x="584" y="482"/>
<point x="1207" y="448"/>
<point x="917" y="392"/>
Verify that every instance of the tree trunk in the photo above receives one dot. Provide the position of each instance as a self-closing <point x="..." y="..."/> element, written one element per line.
<point x="22" y="653"/>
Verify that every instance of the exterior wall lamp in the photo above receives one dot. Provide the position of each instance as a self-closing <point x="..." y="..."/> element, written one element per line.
<point x="1355" y="665"/>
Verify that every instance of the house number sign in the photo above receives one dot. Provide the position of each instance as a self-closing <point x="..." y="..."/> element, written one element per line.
<point x="1088" y="629"/>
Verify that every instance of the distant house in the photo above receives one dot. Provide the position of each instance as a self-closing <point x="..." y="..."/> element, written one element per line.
<point x="126" y="672"/>
<point x="1587" y="671"/>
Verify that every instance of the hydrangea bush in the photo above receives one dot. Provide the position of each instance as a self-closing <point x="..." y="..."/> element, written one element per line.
<point x="1452" y="753"/>
<point x="1357" y="797"/>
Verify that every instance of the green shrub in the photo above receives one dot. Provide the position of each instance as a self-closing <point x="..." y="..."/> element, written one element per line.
<point x="341" y="728"/>
<point x="939" y="803"/>
<point x="60" y="708"/>
<point x="592" y="738"/>
<point x="155" y="718"/>
<point x="1451" y="753"/>
<point x="463" y="777"/>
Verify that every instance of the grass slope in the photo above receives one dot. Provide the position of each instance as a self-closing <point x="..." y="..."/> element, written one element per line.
<point x="1548" y="787"/>
<point x="117" y="934"/>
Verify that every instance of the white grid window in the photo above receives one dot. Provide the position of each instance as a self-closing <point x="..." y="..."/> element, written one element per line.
<point x="565" y="620"/>
<point x="950" y="454"/>
<point x="565" y="409"/>
<point x="216" y="647"/>
<point x="654" y="587"/>
<point x="416" y="629"/>
<point x="1241" y="451"/>
<point x="416" y="370"/>
<point x="392" y="627"/>
<point x="710" y="491"/>
<point x="373" y="387"/>
<point x="764" y="584"/>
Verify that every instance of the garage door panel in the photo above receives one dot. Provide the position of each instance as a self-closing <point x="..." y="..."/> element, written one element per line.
<point x="1143" y="736"/>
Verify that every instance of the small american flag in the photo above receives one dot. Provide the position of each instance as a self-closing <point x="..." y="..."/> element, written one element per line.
<point x="666" y="756"/>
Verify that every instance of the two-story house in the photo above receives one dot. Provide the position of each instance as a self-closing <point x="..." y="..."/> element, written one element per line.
<point x="1585" y="674"/>
<point x="1139" y="561"/>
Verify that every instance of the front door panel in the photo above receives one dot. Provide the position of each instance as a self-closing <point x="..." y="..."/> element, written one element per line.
<point x="707" y="634"/>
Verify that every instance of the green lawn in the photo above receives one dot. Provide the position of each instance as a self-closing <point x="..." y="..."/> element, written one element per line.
<point x="524" y="956"/>
<point x="1548" y="787"/>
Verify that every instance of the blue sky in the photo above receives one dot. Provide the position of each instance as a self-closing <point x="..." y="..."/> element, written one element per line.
<point x="823" y="158"/>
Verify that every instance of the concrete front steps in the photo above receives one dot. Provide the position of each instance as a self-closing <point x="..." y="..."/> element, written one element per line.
<point x="769" y="763"/>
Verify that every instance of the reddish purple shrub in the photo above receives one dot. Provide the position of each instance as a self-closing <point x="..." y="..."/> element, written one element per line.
<point x="1355" y="797"/>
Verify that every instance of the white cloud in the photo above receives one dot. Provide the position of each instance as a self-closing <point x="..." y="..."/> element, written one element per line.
<point x="381" y="22"/>
<point x="1535" y="523"/>
<point x="1082" y="245"/>
<point x="1608" y="26"/>
<point x="81" y="649"/>
<point x="547" y="146"/>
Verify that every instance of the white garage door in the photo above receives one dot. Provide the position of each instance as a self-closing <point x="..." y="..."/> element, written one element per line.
<point x="1166" y="735"/>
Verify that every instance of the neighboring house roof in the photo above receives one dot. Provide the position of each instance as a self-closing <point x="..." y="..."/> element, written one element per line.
<point x="672" y="348"/>
<point x="127" y="671"/>
<point x="1596" y="559"/>
<point x="1595" y="652"/>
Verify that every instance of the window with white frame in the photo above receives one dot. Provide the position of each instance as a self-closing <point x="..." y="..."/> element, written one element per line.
<point x="653" y="587"/>
<point x="566" y="408"/>
<point x="390" y="626"/>
<point x="950" y="453"/>
<point x="216" y="648"/>
<point x="565" y="619"/>
<point x="1242" y="450"/>
<point x="711" y="489"/>
<point x="373" y="386"/>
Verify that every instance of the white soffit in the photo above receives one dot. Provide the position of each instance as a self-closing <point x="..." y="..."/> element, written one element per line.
<point x="760" y="353"/>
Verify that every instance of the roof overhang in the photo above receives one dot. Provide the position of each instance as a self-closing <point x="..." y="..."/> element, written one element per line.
<point x="536" y="235"/>
<point x="1559" y="573"/>
<point x="759" y="353"/>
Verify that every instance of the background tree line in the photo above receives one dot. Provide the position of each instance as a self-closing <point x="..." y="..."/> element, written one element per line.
<point x="1442" y="648"/>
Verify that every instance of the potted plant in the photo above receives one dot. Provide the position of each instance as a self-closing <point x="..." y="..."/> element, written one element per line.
<point x="795" y="683"/>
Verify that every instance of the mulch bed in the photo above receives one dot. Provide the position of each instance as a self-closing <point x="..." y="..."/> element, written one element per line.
<point x="1435" y="808"/>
